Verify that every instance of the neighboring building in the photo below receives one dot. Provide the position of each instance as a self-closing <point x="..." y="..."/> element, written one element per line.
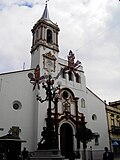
<point x="113" y="114"/>
<point x="19" y="107"/>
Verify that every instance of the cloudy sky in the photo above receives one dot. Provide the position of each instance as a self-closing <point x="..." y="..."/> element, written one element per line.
<point x="90" y="28"/>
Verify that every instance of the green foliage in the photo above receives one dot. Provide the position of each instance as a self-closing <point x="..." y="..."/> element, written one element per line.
<point x="84" y="134"/>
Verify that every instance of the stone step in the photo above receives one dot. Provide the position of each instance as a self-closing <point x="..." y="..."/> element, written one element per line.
<point x="52" y="154"/>
<point x="46" y="158"/>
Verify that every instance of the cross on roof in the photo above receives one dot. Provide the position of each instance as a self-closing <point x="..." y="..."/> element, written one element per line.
<point x="47" y="1"/>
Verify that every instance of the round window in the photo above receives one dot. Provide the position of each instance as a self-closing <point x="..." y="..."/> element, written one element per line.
<point x="65" y="95"/>
<point x="17" y="105"/>
<point x="94" y="117"/>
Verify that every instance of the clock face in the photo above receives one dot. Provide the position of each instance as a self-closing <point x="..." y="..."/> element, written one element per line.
<point x="49" y="63"/>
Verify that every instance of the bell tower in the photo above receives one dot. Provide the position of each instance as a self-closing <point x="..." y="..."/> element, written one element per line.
<point x="45" y="40"/>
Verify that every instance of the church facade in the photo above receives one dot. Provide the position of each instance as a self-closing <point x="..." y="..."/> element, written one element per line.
<point x="20" y="108"/>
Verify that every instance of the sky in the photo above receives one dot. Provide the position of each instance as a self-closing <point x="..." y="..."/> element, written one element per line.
<point x="90" y="28"/>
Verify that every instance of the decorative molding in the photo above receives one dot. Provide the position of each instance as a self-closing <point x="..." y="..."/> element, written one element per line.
<point x="49" y="55"/>
<point x="49" y="61"/>
<point x="41" y="42"/>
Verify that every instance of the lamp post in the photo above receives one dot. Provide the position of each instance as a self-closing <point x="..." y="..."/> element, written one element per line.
<point x="49" y="135"/>
<point x="50" y="138"/>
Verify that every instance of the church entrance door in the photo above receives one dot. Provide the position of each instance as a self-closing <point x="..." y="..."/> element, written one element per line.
<point x="66" y="140"/>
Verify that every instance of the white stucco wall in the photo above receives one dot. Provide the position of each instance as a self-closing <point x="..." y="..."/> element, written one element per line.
<point x="31" y="117"/>
<point x="16" y="86"/>
<point x="96" y="106"/>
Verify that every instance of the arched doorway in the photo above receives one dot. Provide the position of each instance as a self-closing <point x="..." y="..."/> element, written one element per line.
<point x="66" y="140"/>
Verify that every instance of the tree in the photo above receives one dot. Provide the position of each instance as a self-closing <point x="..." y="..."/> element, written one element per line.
<point x="84" y="135"/>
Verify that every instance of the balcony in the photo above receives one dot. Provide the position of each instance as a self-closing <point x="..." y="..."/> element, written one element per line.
<point x="115" y="130"/>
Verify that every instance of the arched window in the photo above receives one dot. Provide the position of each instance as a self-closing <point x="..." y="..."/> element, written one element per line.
<point x="70" y="75"/>
<point x="63" y="74"/>
<point x="96" y="136"/>
<point x="82" y="103"/>
<point x="37" y="35"/>
<point x="49" y="36"/>
<point x="77" y="78"/>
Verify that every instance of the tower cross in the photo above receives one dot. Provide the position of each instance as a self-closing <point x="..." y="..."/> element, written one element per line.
<point x="46" y="1"/>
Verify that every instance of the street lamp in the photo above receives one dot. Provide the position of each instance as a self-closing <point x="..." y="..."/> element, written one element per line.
<point x="49" y="135"/>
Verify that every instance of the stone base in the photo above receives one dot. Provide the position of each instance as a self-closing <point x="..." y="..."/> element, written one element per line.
<point x="52" y="154"/>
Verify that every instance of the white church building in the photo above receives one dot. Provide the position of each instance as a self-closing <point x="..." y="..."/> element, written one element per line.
<point x="20" y="108"/>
